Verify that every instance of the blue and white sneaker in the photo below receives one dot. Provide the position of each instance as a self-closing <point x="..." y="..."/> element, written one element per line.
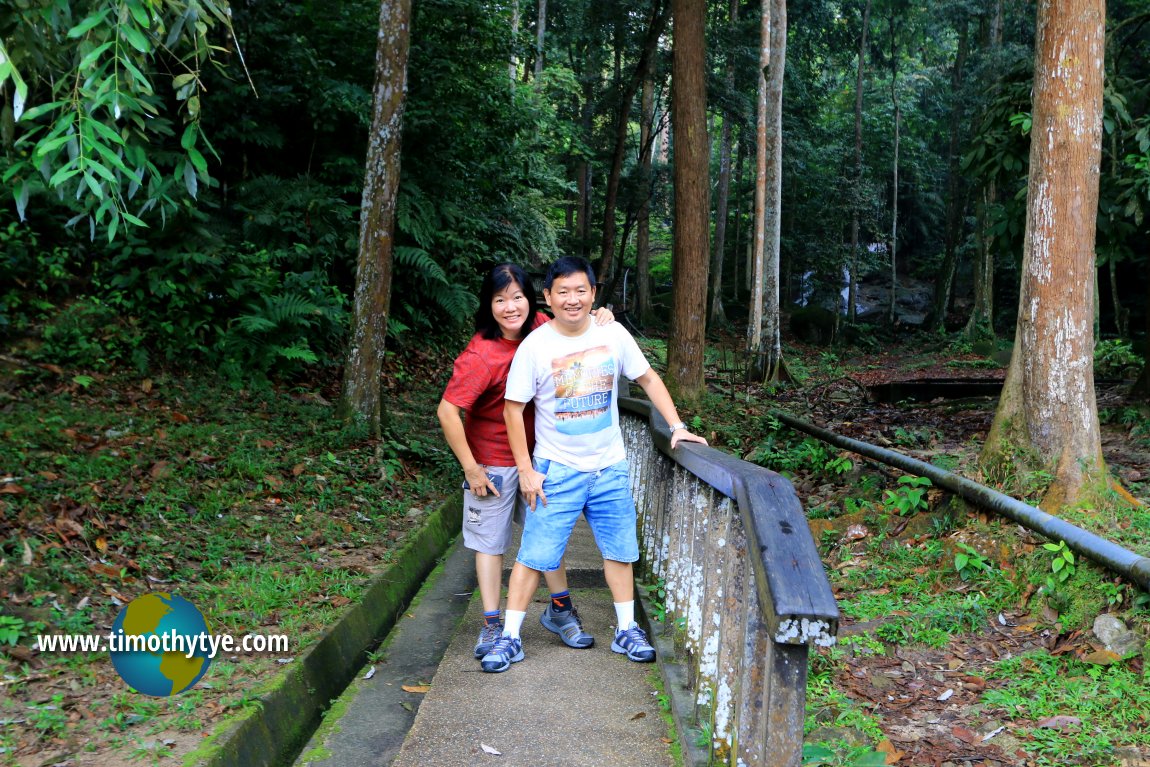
<point x="569" y="627"/>
<point x="487" y="636"/>
<point x="503" y="653"/>
<point x="632" y="642"/>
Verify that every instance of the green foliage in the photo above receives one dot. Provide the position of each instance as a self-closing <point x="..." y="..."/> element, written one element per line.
<point x="249" y="312"/>
<point x="968" y="563"/>
<point x="106" y="107"/>
<point x="12" y="630"/>
<point x="37" y="275"/>
<point x="909" y="497"/>
<point x="657" y="596"/>
<point x="1109" y="701"/>
<point x="1115" y="358"/>
<point x="1062" y="565"/>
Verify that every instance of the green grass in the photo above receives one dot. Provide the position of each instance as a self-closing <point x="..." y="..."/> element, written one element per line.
<point x="257" y="506"/>
<point x="1111" y="702"/>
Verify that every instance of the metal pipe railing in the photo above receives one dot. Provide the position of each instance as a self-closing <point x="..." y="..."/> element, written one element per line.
<point x="1132" y="566"/>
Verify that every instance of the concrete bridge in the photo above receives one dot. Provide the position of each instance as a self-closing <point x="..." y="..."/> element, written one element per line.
<point x="737" y="596"/>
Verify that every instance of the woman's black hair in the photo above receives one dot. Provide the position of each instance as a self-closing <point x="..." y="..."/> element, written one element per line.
<point x="493" y="282"/>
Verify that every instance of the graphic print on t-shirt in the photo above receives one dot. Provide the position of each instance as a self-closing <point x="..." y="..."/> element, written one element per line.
<point x="584" y="384"/>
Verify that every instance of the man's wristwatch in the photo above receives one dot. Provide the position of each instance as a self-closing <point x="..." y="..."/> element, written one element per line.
<point x="677" y="426"/>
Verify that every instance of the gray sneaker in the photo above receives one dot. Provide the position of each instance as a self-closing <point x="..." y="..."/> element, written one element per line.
<point x="568" y="626"/>
<point x="632" y="642"/>
<point x="487" y="636"/>
<point x="503" y="653"/>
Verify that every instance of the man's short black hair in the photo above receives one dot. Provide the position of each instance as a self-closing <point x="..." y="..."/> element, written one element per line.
<point x="566" y="266"/>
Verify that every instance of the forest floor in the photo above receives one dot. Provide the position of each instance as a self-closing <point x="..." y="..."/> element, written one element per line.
<point x="271" y="518"/>
<point x="937" y="668"/>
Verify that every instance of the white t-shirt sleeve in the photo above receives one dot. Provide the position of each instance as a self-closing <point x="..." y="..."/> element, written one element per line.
<point x="521" y="376"/>
<point x="632" y="361"/>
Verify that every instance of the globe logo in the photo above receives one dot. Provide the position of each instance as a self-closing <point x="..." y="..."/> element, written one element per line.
<point x="158" y="644"/>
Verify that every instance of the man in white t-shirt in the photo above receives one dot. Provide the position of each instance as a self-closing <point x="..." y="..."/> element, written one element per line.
<point x="570" y="369"/>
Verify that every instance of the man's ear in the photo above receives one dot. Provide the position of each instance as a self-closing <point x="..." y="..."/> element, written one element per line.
<point x="547" y="296"/>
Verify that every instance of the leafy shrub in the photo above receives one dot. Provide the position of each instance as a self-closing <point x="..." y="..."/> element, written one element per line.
<point x="1115" y="358"/>
<point x="36" y="276"/>
<point x="91" y="335"/>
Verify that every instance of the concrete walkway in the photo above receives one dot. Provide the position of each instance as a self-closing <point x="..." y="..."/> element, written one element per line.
<point x="557" y="707"/>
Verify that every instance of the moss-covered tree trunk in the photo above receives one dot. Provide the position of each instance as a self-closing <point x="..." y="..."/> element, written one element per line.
<point x="856" y="202"/>
<point x="643" y="224"/>
<point x="361" y="373"/>
<point x="691" y="226"/>
<point x="607" y="249"/>
<point x="755" y="263"/>
<point x="772" y="349"/>
<point x="1047" y="418"/>
<point x="722" y="195"/>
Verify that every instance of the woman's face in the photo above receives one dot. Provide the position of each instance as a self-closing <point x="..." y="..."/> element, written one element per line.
<point x="510" y="309"/>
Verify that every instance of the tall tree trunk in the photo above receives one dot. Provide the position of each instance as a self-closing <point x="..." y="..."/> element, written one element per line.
<point x="717" y="315"/>
<point x="740" y="162"/>
<point x="757" y="368"/>
<point x="513" y="66"/>
<point x="583" y="170"/>
<point x="622" y="122"/>
<point x="361" y="398"/>
<point x="1141" y="387"/>
<point x="540" y="36"/>
<point x="772" y="343"/>
<point x="981" y="322"/>
<point x="856" y="202"/>
<point x="955" y="188"/>
<point x="894" y="174"/>
<point x="691" y="161"/>
<point x="1048" y="414"/>
<point x="643" y="233"/>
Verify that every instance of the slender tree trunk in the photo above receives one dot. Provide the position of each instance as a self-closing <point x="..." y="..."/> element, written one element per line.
<point x="643" y="233"/>
<point x="513" y="66"/>
<point x="740" y="161"/>
<point x="894" y="174"/>
<point x="856" y="201"/>
<point x="1121" y="323"/>
<point x="955" y="188"/>
<point x="1048" y="415"/>
<point x="622" y="121"/>
<point x="540" y="36"/>
<point x="772" y="343"/>
<point x="981" y="322"/>
<point x="583" y="173"/>
<point x="1141" y="387"/>
<point x="691" y="161"/>
<point x="757" y="369"/>
<point x="717" y="315"/>
<point x="361" y="398"/>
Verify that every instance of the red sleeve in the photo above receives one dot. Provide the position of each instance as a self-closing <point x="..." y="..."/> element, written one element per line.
<point x="539" y="319"/>
<point x="469" y="379"/>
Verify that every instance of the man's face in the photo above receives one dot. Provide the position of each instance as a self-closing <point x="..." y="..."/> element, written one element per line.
<point x="571" y="298"/>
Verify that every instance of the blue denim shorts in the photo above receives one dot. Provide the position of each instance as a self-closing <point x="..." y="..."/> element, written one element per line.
<point x="603" y="496"/>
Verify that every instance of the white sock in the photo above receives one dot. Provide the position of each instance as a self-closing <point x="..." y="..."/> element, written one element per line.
<point x="624" y="615"/>
<point x="513" y="622"/>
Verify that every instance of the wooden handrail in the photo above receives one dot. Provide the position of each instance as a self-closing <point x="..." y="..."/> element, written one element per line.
<point x="746" y="593"/>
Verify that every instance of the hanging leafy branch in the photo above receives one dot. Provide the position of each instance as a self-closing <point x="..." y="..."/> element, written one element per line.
<point x="94" y="95"/>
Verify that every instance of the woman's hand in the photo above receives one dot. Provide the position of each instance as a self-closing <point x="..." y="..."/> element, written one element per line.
<point x="603" y="315"/>
<point x="479" y="482"/>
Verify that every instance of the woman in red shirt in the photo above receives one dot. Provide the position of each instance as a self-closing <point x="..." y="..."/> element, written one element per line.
<point x="505" y="316"/>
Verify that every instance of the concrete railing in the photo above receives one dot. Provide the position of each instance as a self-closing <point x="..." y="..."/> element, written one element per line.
<point x="745" y="591"/>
